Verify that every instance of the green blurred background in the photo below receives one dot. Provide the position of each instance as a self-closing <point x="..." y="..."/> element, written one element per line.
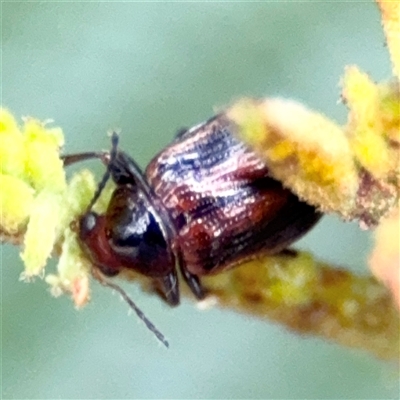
<point x="149" y="69"/>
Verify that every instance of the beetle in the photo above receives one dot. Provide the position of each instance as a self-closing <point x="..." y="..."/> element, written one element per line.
<point x="204" y="204"/>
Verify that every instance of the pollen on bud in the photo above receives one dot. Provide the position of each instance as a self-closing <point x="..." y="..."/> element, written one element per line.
<point x="391" y="24"/>
<point x="42" y="232"/>
<point x="12" y="151"/>
<point x="73" y="272"/>
<point x="30" y="163"/>
<point x="303" y="149"/>
<point x="366" y="128"/>
<point x="43" y="165"/>
<point x="16" y="199"/>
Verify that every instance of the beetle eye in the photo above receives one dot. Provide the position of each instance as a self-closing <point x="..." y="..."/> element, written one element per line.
<point x="87" y="223"/>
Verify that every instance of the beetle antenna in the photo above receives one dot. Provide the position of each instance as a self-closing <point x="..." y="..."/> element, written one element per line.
<point x="106" y="176"/>
<point x="133" y="306"/>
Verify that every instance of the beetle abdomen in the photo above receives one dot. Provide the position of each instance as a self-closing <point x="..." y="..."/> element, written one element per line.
<point x="224" y="205"/>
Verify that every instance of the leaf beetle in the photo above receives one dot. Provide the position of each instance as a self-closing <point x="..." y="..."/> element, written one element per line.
<point x="204" y="204"/>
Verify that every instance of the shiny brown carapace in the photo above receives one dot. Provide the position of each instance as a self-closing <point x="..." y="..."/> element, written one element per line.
<point x="204" y="204"/>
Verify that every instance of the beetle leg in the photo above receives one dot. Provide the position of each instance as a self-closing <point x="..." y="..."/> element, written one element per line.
<point x="69" y="159"/>
<point x="105" y="157"/>
<point x="170" y="288"/>
<point x="193" y="282"/>
<point x="180" y="132"/>
<point x="288" y="252"/>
